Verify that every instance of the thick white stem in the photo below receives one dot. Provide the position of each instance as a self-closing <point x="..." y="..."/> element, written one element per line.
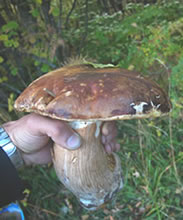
<point x="89" y="172"/>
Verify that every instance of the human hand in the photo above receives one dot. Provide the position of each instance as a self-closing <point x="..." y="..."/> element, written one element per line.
<point x="34" y="136"/>
<point x="109" y="134"/>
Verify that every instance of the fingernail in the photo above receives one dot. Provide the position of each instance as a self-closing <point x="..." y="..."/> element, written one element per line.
<point x="74" y="141"/>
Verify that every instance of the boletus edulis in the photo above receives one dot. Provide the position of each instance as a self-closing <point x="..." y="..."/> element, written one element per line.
<point x="85" y="97"/>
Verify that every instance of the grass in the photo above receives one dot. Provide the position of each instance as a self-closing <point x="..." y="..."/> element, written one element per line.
<point x="152" y="160"/>
<point x="151" y="150"/>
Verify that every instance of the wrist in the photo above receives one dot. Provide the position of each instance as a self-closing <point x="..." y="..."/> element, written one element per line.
<point x="11" y="150"/>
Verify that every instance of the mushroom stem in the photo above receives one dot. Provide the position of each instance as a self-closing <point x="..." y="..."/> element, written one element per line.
<point x="89" y="172"/>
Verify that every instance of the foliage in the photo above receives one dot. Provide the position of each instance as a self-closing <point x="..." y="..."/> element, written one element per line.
<point x="38" y="36"/>
<point x="134" y="40"/>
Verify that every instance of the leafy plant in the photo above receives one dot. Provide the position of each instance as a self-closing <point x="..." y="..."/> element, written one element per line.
<point x="38" y="36"/>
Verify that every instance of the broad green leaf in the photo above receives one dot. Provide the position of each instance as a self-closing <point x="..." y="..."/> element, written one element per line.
<point x="39" y="2"/>
<point x="11" y="102"/>
<point x="36" y="63"/>
<point x="3" y="37"/>
<point x="3" y="79"/>
<point x="1" y="59"/>
<point x="8" y="43"/>
<point x="14" y="71"/>
<point x="56" y="12"/>
<point x="12" y="25"/>
<point x="35" y="12"/>
<point x="45" y="68"/>
<point x="15" y="44"/>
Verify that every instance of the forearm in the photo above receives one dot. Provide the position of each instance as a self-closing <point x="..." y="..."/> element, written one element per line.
<point x="11" y="186"/>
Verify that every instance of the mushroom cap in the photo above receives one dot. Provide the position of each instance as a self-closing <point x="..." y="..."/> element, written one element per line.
<point x="85" y="93"/>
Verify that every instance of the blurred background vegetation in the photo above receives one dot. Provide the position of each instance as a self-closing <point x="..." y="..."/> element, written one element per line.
<point x="37" y="36"/>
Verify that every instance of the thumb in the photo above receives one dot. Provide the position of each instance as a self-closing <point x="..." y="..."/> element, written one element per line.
<point x="60" y="132"/>
<point x="63" y="135"/>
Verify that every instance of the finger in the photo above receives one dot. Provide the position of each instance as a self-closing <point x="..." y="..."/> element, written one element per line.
<point x="60" y="132"/>
<point x="115" y="146"/>
<point x="63" y="135"/>
<point x="111" y="137"/>
<point x="108" y="127"/>
<point x="108" y="148"/>
<point x="103" y="139"/>
<point x="40" y="157"/>
<point x="112" y="147"/>
<point x="109" y="132"/>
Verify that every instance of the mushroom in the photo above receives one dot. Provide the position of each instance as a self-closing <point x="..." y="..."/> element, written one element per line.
<point x="85" y="97"/>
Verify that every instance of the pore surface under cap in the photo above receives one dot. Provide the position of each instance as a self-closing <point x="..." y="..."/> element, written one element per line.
<point x="83" y="92"/>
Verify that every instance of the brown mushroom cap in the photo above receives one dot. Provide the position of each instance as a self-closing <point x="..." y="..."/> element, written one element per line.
<point x="86" y="93"/>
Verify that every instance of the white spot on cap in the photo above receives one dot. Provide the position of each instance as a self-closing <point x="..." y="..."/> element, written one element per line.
<point x="82" y="84"/>
<point x="155" y="106"/>
<point x="68" y="93"/>
<point x="139" y="108"/>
